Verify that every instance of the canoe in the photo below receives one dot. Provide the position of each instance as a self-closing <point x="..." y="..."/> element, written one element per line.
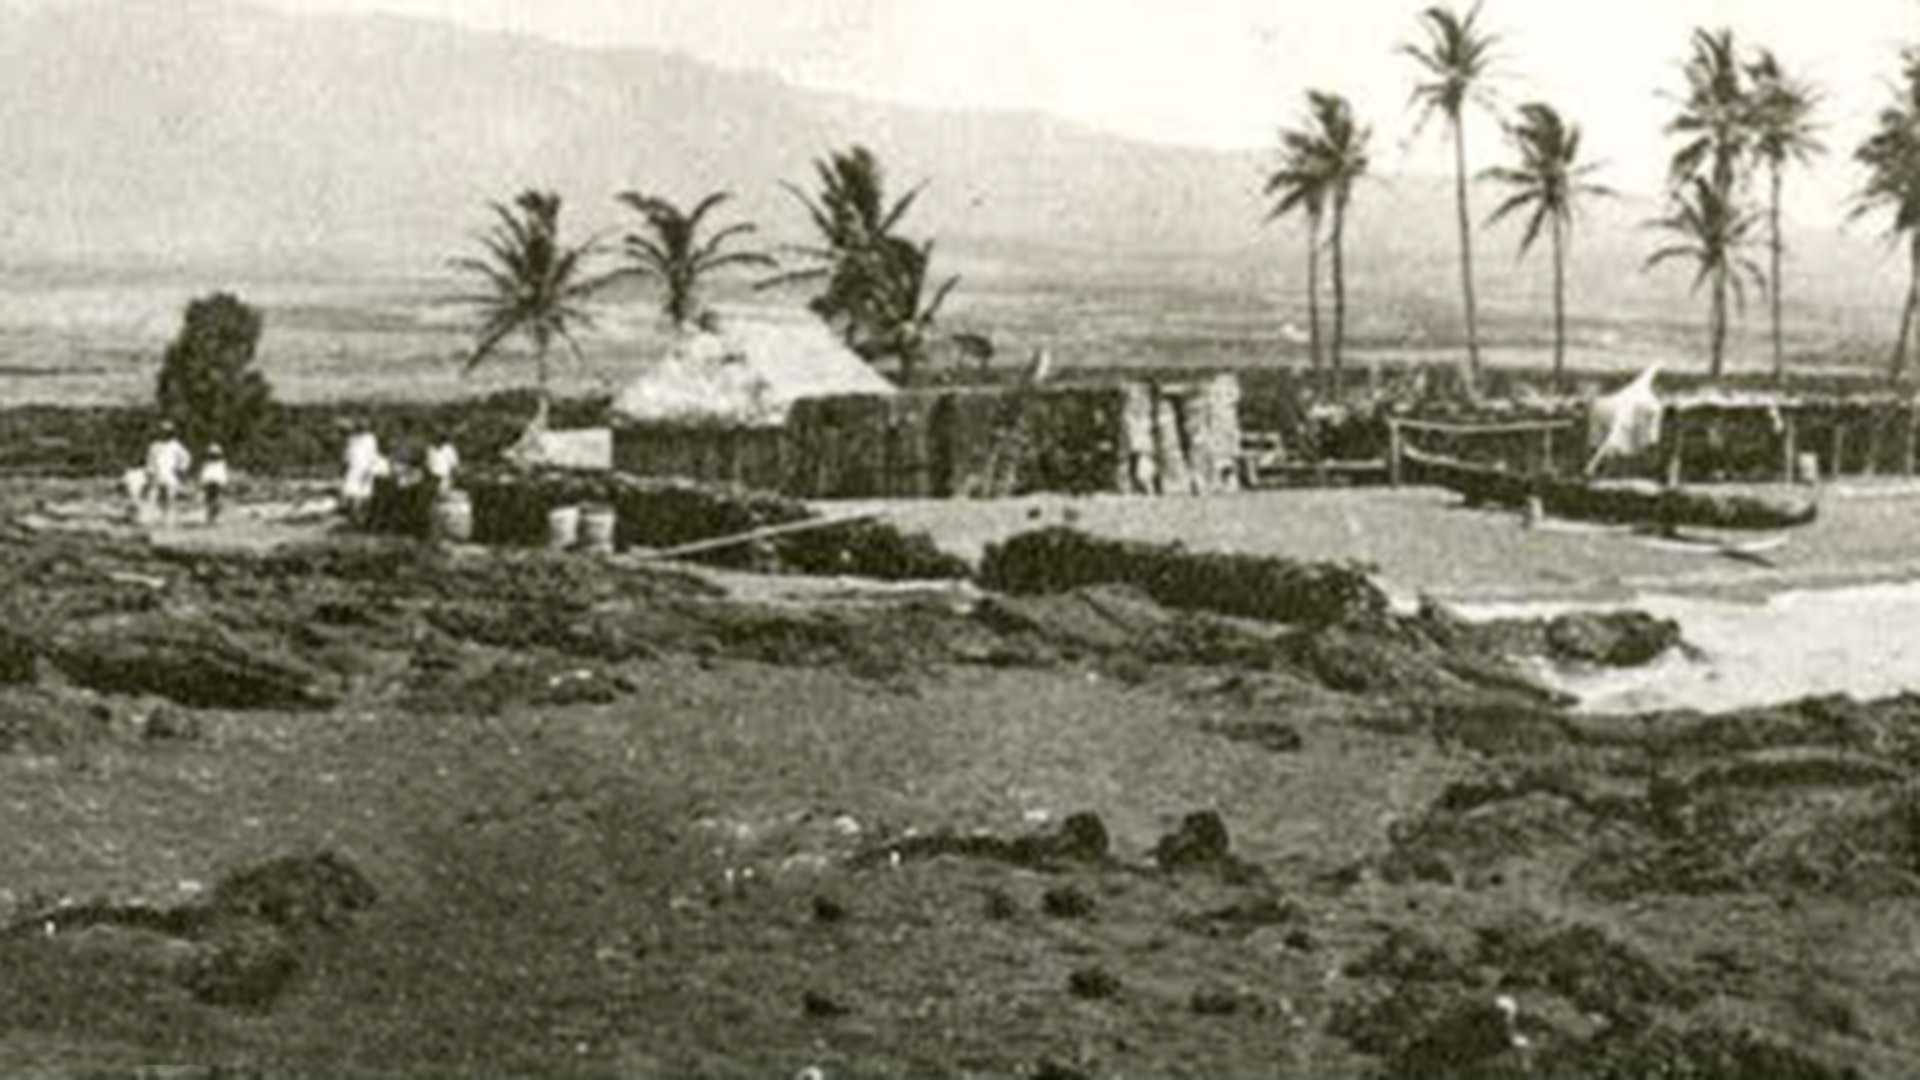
<point x="1613" y="501"/>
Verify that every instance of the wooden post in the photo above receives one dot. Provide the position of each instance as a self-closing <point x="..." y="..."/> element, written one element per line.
<point x="1675" y="438"/>
<point x="1393" y="453"/>
<point x="1907" y="450"/>
<point x="1839" y="442"/>
<point x="1546" y="450"/>
<point x="1789" y="448"/>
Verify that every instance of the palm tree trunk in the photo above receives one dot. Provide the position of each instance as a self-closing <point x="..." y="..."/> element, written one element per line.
<point x="1717" y="320"/>
<point x="1559" y="302"/>
<point x="1466" y="249"/>
<point x="540" y="367"/>
<point x="1906" y="317"/>
<point x="1773" y="282"/>
<point x="1340" y="287"/>
<point x="1313" y="294"/>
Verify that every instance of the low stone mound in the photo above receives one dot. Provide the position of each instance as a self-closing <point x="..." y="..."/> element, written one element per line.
<point x="1059" y="559"/>
<point x="1080" y="838"/>
<point x="192" y="662"/>
<point x="240" y="947"/>
<point x="511" y="508"/>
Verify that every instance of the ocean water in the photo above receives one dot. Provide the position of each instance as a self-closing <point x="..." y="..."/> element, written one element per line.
<point x="1861" y="640"/>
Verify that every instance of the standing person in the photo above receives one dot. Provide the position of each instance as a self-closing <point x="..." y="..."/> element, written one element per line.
<point x="168" y="463"/>
<point x="443" y="461"/>
<point x="365" y="464"/>
<point x="133" y="483"/>
<point x="213" y="482"/>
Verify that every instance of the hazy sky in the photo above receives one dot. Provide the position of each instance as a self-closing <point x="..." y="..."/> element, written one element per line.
<point x="1228" y="73"/>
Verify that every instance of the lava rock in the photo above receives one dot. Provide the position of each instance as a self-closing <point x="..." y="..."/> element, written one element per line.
<point x="1611" y="639"/>
<point x="1093" y="984"/>
<point x="1201" y="840"/>
<point x="1067" y="902"/>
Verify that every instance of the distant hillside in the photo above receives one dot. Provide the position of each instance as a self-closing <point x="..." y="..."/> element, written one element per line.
<point x="203" y="130"/>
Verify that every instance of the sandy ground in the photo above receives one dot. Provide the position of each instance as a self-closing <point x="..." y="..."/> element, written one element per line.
<point x="1424" y="541"/>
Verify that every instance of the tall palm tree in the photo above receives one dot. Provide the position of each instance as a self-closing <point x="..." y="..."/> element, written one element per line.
<point x="1783" y="131"/>
<point x="1713" y="232"/>
<point x="1321" y="160"/>
<point x="1715" y="123"/>
<point x="1455" y="62"/>
<point x="672" y="251"/>
<point x="532" y="284"/>
<point x="876" y="282"/>
<point x="1891" y="156"/>
<point x="1549" y="180"/>
<point x="1300" y="184"/>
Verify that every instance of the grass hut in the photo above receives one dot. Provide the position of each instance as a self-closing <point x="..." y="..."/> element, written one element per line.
<point x="715" y="406"/>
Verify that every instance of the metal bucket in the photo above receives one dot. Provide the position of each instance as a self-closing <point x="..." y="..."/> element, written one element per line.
<point x="453" y="517"/>
<point x="1806" y="468"/>
<point x="563" y="528"/>
<point x="597" y="530"/>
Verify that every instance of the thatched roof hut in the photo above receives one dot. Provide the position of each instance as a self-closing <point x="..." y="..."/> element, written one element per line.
<point x="747" y="374"/>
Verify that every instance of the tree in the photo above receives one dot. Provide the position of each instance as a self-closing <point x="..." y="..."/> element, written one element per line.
<point x="1320" y="161"/>
<point x="876" y="282"/>
<point x="1783" y="132"/>
<point x="1715" y="120"/>
<point x="1455" y="63"/>
<point x="1714" y="233"/>
<point x="1549" y="180"/>
<point x="1891" y="156"/>
<point x="532" y="284"/>
<point x="208" y="385"/>
<point x="672" y="252"/>
<point x="1708" y="174"/>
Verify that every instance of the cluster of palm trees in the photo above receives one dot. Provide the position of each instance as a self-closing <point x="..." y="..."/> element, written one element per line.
<point x="875" y="286"/>
<point x="1738" y="116"/>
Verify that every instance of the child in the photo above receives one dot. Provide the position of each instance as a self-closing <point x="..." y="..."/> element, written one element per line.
<point x="134" y="483"/>
<point x="213" y="482"/>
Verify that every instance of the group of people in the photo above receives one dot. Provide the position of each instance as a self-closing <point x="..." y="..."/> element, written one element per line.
<point x="163" y="481"/>
<point x="367" y="466"/>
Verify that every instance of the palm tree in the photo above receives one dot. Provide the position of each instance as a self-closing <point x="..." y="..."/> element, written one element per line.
<point x="532" y="284"/>
<point x="1549" y="180"/>
<point x="1455" y="62"/>
<point x="1714" y="233"/>
<point x="875" y="281"/>
<point x="1892" y="159"/>
<point x="676" y="256"/>
<point x="1781" y="123"/>
<point x="1300" y="184"/>
<point x="1715" y="121"/>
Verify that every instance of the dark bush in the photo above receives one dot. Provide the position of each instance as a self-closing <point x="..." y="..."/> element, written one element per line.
<point x="1059" y="559"/>
<point x="208" y="384"/>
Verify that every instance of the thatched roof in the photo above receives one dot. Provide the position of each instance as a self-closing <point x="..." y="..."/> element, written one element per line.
<point x="748" y="374"/>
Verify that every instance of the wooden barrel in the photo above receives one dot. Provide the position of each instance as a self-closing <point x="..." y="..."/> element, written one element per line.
<point x="597" y="530"/>
<point x="563" y="528"/>
<point x="453" y="517"/>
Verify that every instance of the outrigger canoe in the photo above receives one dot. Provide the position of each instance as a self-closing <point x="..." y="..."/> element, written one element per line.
<point x="1615" y="502"/>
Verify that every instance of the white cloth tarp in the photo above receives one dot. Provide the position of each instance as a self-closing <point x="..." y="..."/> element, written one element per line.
<point x="748" y="374"/>
<point x="578" y="448"/>
<point x="1625" y="422"/>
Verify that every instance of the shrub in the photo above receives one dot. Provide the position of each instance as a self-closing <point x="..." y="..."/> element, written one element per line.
<point x="207" y="384"/>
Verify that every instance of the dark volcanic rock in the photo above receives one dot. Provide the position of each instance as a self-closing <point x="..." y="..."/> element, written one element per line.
<point x="1081" y="838"/>
<point x="1612" y="639"/>
<point x="19" y="659"/>
<point x="296" y="892"/>
<point x="1201" y="840"/>
<point x="190" y="662"/>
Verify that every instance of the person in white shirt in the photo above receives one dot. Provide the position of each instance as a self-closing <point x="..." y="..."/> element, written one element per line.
<point x="168" y="463"/>
<point x="133" y="483"/>
<point x="443" y="461"/>
<point x="214" y="479"/>
<point x="365" y="465"/>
